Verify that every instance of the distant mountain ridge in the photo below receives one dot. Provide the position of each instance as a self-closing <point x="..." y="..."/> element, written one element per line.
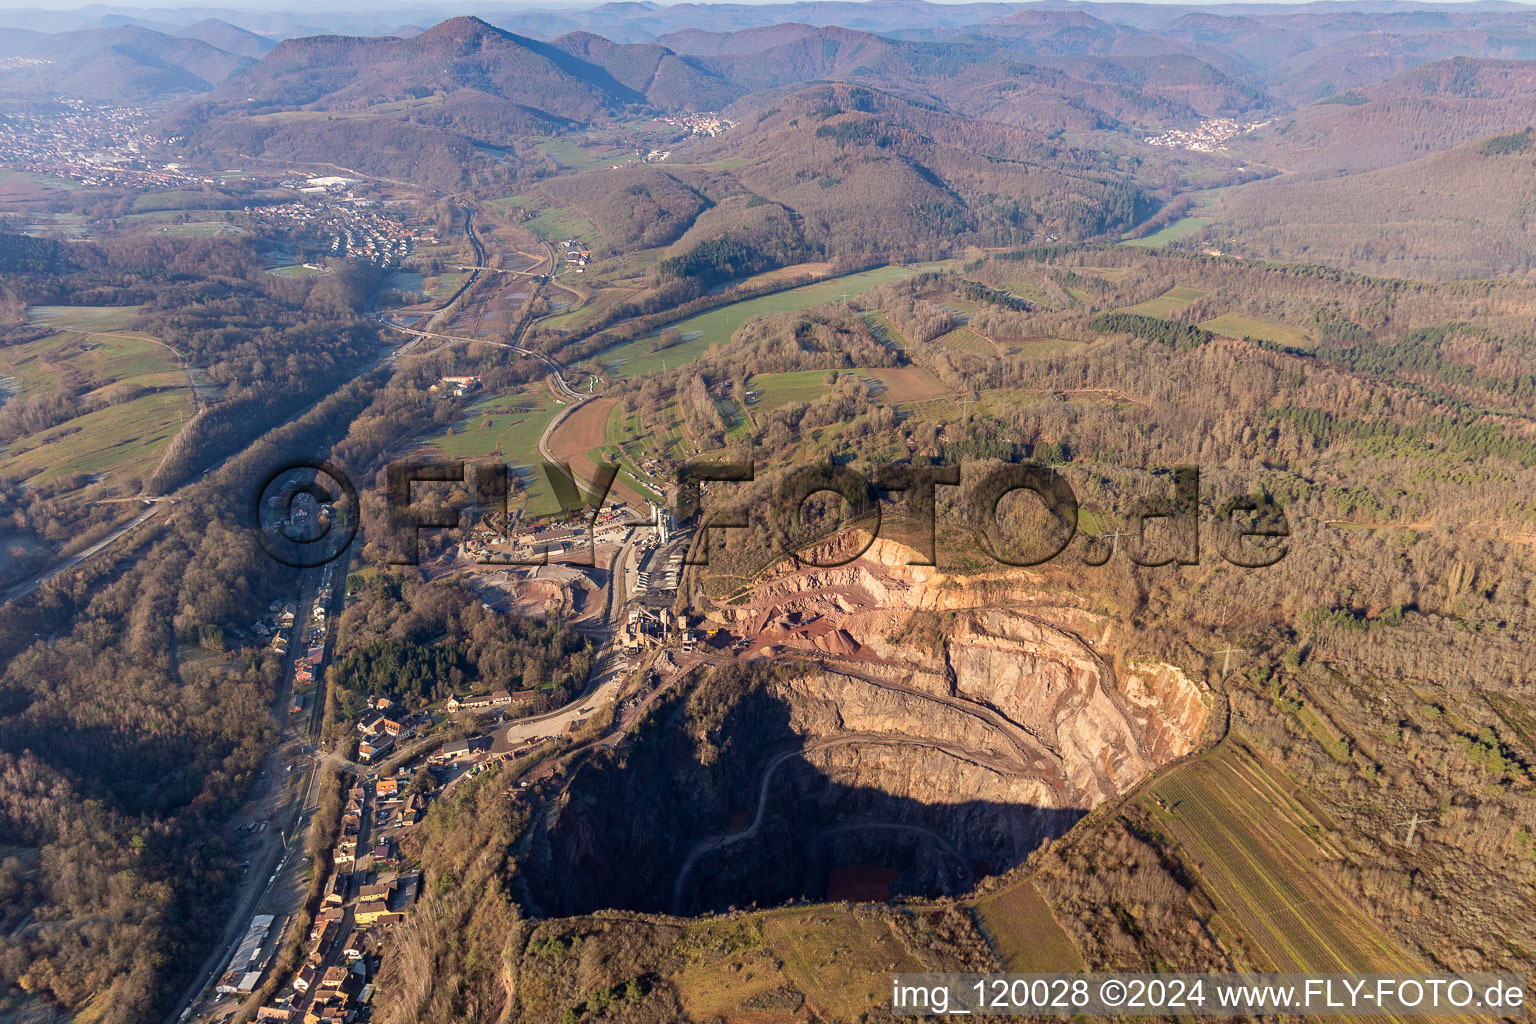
<point x="128" y="62"/>
<point x="229" y="38"/>
<point x="465" y="101"/>
<point x="572" y="78"/>
<point x="1054" y="71"/>
<point x="1468" y="212"/>
<point x="1430" y="109"/>
<point x="465" y="81"/>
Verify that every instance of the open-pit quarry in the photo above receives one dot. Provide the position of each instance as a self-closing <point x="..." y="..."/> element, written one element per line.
<point x="884" y="730"/>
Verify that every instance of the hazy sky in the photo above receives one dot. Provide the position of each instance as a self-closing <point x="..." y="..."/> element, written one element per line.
<point x="449" y="9"/>
<point x="369" y="16"/>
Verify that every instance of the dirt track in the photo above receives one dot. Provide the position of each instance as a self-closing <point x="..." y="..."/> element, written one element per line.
<point x="581" y="431"/>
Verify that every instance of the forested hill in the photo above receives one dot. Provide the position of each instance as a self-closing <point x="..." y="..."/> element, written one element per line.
<point x="1427" y="110"/>
<point x="865" y="169"/>
<point x="1458" y="214"/>
<point x="110" y="65"/>
<point x="444" y="106"/>
<point x="573" y="78"/>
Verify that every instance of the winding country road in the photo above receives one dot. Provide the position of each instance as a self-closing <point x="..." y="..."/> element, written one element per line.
<point x="716" y="843"/>
<point x="556" y="378"/>
<point x="554" y="368"/>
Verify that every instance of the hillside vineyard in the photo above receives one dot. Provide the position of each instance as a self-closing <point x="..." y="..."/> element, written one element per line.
<point x="701" y="513"/>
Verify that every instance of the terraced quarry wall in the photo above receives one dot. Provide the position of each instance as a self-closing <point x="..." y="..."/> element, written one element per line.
<point x="865" y="733"/>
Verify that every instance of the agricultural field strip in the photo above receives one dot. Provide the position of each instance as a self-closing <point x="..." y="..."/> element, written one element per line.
<point x="1021" y="922"/>
<point x="1170" y="233"/>
<point x="1283" y="876"/>
<point x="105" y="323"/>
<point x="1283" y="834"/>
<point x="106" y="440"/>
<point x="1245" y="911"/>
<point x="96" y="441"/>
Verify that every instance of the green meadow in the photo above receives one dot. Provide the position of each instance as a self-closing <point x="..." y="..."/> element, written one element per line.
<point x="1172" y="233"/>
<point x="1168" y="303"/>
<point x="715" y="327"/>
<point x="510" y="425"/>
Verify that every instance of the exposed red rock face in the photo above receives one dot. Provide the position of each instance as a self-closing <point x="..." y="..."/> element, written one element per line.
<point x="1003" y="693"/>
<point x="935" y="728"/>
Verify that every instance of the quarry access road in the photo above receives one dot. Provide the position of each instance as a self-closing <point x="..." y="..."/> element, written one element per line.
<point x="715" y="843"/>
<point x="1031" y="749"/>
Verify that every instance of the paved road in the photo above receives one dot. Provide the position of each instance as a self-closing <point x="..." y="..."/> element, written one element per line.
<point x="555" y="368"/>
<point x="605" y="680"/>
<point x="474" y="240"/>
<point x="21" y="590"/>
<point x="269" y="864"/>
<point x="607" y="673"/>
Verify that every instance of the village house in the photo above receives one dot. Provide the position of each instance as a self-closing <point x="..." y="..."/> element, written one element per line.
<point x="409" y="813"/>
<point x="333" y="1004"/>
<point x="479" y="700"/>
<point x="369" y="749"/>
<point x="408" y="887"/>
<point x="457" y="386"/>
<point x="400" y="726"/>
<point x="325" y="930"/>
<point x="370" y="913"/>
<point x="384" y="853"/>
<point x="345" y="854"/>
<point x="458" y="750"/>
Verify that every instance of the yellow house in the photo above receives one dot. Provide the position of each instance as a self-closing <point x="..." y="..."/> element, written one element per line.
<point x="368" y="913"/>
